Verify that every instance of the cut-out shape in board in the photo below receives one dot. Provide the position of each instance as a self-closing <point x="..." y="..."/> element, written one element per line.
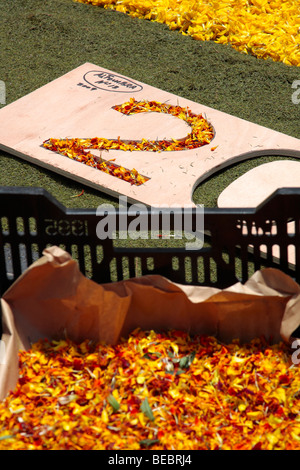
<point x="259" y="183"/>
<point x="80" y="104"/>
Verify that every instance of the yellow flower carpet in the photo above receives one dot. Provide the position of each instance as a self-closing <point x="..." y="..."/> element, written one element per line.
<point x="263" y="28"/>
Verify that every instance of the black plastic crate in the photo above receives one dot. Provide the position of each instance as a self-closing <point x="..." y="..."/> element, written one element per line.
<point x="238" y="241"/>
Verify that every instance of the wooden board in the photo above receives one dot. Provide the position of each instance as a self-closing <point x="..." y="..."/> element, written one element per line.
<point x="80" y="104"/>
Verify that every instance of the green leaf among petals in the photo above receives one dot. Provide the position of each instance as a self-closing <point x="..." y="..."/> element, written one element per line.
<point x="145" y="408"/>
<point x="113" y="402"/>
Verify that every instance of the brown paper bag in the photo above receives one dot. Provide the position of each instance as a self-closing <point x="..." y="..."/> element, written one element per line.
<point x="52" y="299"/>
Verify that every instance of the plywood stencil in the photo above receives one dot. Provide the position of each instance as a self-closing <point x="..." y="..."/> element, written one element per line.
<point x="80" y="105"/>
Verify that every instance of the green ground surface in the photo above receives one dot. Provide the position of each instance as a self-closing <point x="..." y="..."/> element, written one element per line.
<point x="40" y="40"/>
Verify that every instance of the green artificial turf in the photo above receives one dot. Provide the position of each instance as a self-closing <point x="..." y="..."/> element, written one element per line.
<point x="40" y="40"/>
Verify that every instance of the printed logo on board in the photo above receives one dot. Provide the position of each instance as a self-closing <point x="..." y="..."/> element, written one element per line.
<point x="108" y="81"/>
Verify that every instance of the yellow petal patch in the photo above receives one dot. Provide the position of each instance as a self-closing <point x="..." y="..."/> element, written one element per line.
<point x="264" y="28"/>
